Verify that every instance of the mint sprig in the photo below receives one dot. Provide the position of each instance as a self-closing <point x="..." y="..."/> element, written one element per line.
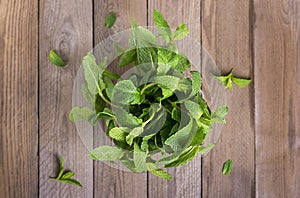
<point x="229" y="79"/>
<point x="66" y="176"/>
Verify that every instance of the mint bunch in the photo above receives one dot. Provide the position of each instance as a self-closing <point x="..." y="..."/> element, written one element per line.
<point x="156" y="109"/>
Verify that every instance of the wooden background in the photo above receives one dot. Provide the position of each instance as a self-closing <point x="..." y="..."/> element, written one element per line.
<point x="259" y="38"/>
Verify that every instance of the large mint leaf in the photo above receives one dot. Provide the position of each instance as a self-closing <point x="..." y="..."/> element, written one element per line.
<point x="106" y="153"/>
<point x="194" y="109"/>
<point x="93" y="72"/>
<point x="167" y="81"/>
<point x="183" y="137"/>
<point x="162" y="26"/>
<point x="125" y="92"/>
<point x="129" y="56"/>
<point x="139" y="158"/>
<point x="126" y="119"/>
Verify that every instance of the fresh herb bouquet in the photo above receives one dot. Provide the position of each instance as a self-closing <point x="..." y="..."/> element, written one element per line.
<point x="155" y="110"/>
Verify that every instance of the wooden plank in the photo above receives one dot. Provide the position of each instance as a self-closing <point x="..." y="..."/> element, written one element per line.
<point x="186" y="180"/>
<point x="18" y="98"/>
<point x="226" y="34"/>
<point x="108" y="181"/>
<point x="277" y="100"/>
<point x="65" y="26"/>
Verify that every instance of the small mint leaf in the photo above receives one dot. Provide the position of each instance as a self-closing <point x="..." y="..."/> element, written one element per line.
<point x="55" y="59"/>
<point x="241" y="82"/>
<point x="181" y="32"/>
<point x="227" y="167"/>
<point x="110" y="20"/>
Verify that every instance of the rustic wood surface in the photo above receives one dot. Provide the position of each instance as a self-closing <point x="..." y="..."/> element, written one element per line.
<point x="258" y="38"/>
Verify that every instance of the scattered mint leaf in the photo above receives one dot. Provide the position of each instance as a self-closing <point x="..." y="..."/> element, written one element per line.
<point x="229" y="79"/>
<point x="66" y="176"/>
<point x="181" y="32"/>
<point x="241" y="82"/>
<point x="227" y="167"/>
<point x="110" y="19"/>
<point x="55" y="59"/>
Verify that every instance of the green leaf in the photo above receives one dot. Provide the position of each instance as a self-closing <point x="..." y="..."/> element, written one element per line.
<point x="93" y="72"/>
<point x="128" y="163"/>
<point x="167" y="81"/>
<point x="158" y="172"/>
<point x="106" y="153"/>
<point x="129" y="56"/>
<point x="176" y="114"/>
<point x="241" y="82"/>
<point x="111" y="75"/>
<point x="81" y="113"/>
<point x="109" y="87"/>
<point x="67" y="175"/>
<point x="55" y="59"/>
<point x="89" y="98"/>
<point x="227" y="167"/>
<point x="134" y="133"/>
<point x="71" y="181"/>
<point x="125" y="92"/>
<point x="126" y="119"/>
<point x="110" y="19"/>
<point x="182" y="137"/>
<point x="61" y="167"/>
<point x="162" y="26"/>
<point x="181" y="32"/>
<point x="118" y="133"/>
<point x="219" y="114"/>
<point x="185" y="157"/>
<point x="196" y="82"/>
<point x="139" y="158"/>
<point x="194" y="109"/>
<point x="203" y="150"/>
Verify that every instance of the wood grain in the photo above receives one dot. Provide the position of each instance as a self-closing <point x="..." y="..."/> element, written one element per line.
<point x="108" y="181"/>
<point x="226" y="34"/>
<point x="186" y="180"/>
<point x="277" y="100"/>
<point x="18" y="98"/>
<point x="65" y="26"/>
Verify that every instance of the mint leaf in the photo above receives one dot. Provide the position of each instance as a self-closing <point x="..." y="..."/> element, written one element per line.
<point x="134" y="133"/>
<point x="203" y="150"/>
<point x="110" y="20"/>
<point x="81" y="113"/>
<point x="158" y="172"/>
<point x="125" y="92"/>
<point x="219" y="114"/>
<point x="181" y="138"/>
<point x="241" y="82"/>
<point x="93" y="72"/>
<point x="111" y="75"/>
<point x="162" y="26"/>
<point x="118" y="133"/>
<point x="126" y="119"/>
<point x="139" y="158"/>
<point x="61" y="167"/>
<point x="89" y="98"/>
<point x="227" y="167"/>
<point x="181" y="32"/>
<point x="106" y="153"/>
<point x="167" y="81"/>
<point x="185" y="157"/>
<point x="55" y="59"/>
<point x="194" y="109"/>
<point x="71" y="181"/>
<point x="129" y="56"/>
<point x="66" y="176"/>
<point x="196" y="82"/>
